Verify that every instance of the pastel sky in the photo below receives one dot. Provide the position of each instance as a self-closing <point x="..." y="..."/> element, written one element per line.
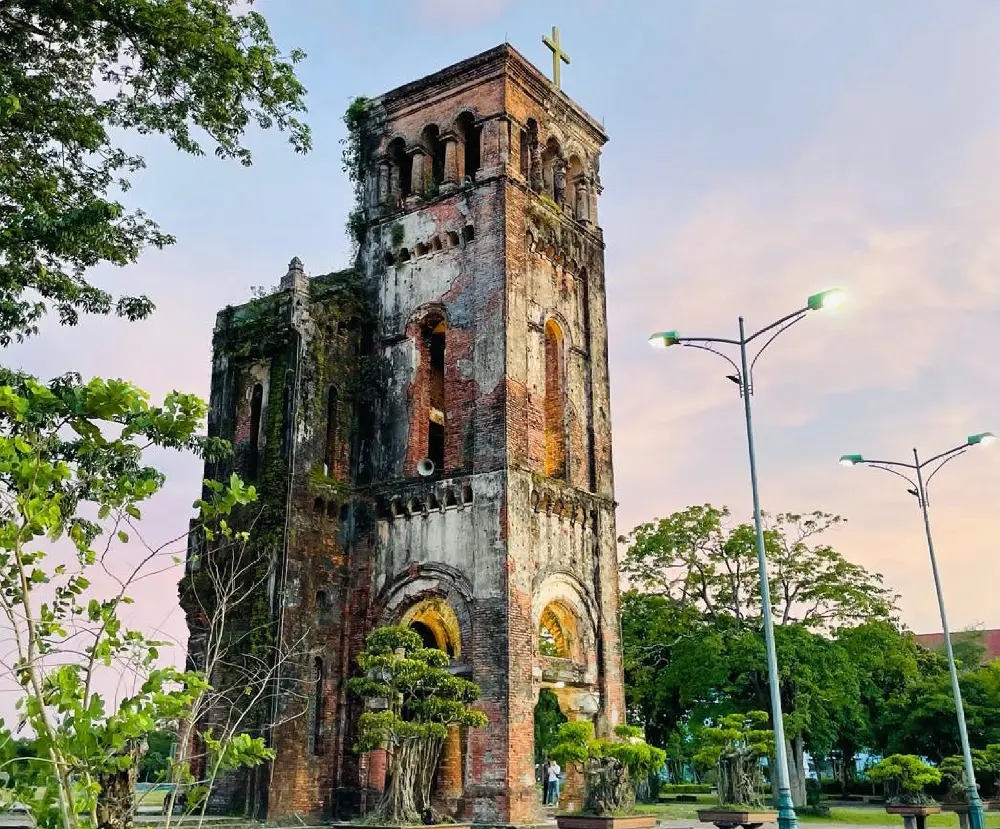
<point x="759" y="152"/>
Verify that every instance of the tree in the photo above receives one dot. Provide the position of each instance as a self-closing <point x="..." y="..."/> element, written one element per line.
<point x="904" y="776"/>
<point x="923" y="721"/>
<point x="548" y="718"/>
<point x="76" y="76"/>
<point x="735" y="745"/>
<point x="72" y="480"/>
<point x="694" y="559"/>
<point x="611" y="768"/>
<point x="887" y="662"/>
<point x="419" y="700"/>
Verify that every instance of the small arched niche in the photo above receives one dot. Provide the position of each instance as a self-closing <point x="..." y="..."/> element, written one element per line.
<point x="402" y="167"/>
<point x="431" y="139"/>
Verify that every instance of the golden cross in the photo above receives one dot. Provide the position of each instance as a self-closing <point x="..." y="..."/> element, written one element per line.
<point x="557" y="54"/>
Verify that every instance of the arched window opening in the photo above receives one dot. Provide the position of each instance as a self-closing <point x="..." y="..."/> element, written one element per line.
<point x="555" y="427"/>
<point x="551" y="159"/>
<point x="402" y="168"/>
<point x="317" y="706"/>
<point x="287" y="405"/>
<point x="531" y="155"/>
<point x="468" y="233"/>
<point x="432" y="142"/>
<point x="256" y="408"/>
<point x="426" y="635"/>
<point x="452" y="238"/>
<point x="436" y="624"/>
<point x="436" y="243"/>
<point x="471" y="137"/>
<point x="556" y="629"/>
<point x="523" y="157"/>
<point x="331" y="450"/>
<point x="436" y="336"/>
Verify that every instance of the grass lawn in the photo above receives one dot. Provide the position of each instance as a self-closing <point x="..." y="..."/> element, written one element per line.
<point x="855" y="815"/>
<point x="154" y="797"/>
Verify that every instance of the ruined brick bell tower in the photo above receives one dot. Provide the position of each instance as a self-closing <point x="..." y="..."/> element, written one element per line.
<point x="474" y="496"/>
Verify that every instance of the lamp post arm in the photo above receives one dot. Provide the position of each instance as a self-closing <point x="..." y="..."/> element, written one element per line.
<point x="873" y="462"/>
<point x="879" y="465"/>
<point x="777" y="323"/>
<point x="795" y="318"/>
<point x="687" y="340"/>
<point x="938" y="467"/>
<point x="957" y="449"/>
<point x="714" y="351"/>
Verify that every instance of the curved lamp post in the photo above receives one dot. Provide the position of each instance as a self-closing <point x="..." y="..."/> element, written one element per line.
<point x="919" y="491"/>
<point x="744" y="379"/>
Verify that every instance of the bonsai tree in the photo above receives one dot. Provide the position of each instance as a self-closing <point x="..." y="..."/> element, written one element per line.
<point x="611" y="768"/>
<point x="985" y="763"/>
<point x="735" y="747"/>
<point x="418" y="700"/>
<point x="904" y="776"/>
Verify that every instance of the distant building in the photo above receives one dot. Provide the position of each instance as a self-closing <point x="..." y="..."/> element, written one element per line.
<point x="989" y="639"/>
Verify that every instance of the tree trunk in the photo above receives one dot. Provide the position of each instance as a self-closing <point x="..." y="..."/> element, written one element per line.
<point x="116" y="800"/>
<point x="795" y="749"/>
<point x="407" y="795"/>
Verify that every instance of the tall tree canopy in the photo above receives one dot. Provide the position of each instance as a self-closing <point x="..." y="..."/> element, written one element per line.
<point x="693" y="646"/>
<point x="75" y="77"/>
<point x="694" y="558"/>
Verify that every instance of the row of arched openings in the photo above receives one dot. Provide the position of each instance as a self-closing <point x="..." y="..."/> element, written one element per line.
<point x="331" y="445"/>
<point x="548" y="171"/>
<point x="418" y="169"/>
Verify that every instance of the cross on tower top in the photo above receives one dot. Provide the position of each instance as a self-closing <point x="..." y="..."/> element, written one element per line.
<point x="557" y="54"/>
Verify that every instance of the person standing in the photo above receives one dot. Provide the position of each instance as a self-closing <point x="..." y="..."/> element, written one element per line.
<point x="545" y="780"/>
<point x="553" y="778"/>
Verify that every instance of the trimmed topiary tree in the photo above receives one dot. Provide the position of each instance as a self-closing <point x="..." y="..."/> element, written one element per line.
<point x="904" y="777"/>
<point x="735" y="747"/>
<point x="416" y="700"/>
<point x="611" y="768"/>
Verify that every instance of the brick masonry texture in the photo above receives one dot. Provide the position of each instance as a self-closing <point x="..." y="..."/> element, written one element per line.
<point x="480" y="212"/>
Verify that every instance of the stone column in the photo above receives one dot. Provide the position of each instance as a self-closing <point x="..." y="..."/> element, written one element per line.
<point x="450" y="182"/>
<point x="418" y="182"/>
<point x="394" y="188"/>
<point x="582" y="206"/>
<point x="536" y="179"/>
<point x="576" y="704"/>
<point x="559" y="181"/>
<point x="492" y="147"/>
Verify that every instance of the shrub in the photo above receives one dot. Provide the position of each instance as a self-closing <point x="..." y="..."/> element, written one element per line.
<point x="904" y="777"/>
<point x="685" y="788"/>
<point x="611" y="768"/>
<point x="736" y="746"/>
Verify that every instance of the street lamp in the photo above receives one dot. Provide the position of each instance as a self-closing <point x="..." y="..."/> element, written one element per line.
<point x="744" y="379"/>
<point x="919" y="490"/>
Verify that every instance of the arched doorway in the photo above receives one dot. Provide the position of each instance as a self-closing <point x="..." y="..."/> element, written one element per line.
<point x="548" y="718"/>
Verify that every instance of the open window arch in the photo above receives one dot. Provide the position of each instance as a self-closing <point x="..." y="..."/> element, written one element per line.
<point x="319" y="675"/>
<point x="331" y="449"/>
<point x="471" y="135"/>
<point x="430" y="137"/>
<point x="557" y="631"/>
<point x="256" y="412"/>
<point x="402" y="165"/>
<point x="551" y="157"/>
<point x="555" y="400"/>
<point x="437" y="624"/>
<point x="435" y="335"/>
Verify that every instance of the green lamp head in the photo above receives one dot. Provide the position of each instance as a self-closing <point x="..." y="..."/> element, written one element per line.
<point x="851" y="460"/>
<point x="983" y="438"/>
<point x="663" y="339"/>
<point x="825" y="299"/>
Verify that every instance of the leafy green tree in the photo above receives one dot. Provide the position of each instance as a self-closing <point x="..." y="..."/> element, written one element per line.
<point x="548" y="718"/>
<point x="968" y="647"/>
<point x="76" y="78"/>
<point x="72" y="481"/>
<point x="886" y="662"/>
<point x="735" y="745"/>
<point x="419" y="700"/>
<point x="923" y="721"/>
<point x="905" y="777"/>
<point x="693" y="558"/>
<point x="612" y="768"/>
<point x="155" y="761"/>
